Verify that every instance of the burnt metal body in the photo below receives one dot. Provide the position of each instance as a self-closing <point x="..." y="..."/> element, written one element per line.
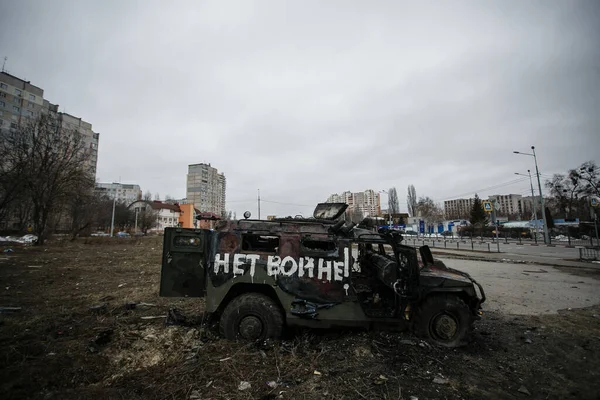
<point x="321" y="271"/>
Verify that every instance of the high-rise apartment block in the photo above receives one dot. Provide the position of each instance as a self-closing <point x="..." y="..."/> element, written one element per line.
<point x="122" y="192"/>
<point x="20" y="102"/>
<point x="367" y="202"/>
<point x="206" y="188"/>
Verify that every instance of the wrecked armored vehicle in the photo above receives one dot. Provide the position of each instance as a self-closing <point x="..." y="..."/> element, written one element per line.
<point x="260" y="276"/>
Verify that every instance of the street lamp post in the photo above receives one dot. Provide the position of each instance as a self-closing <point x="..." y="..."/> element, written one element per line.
<point x="533" y="203"/>
<point x="537" y="171"/>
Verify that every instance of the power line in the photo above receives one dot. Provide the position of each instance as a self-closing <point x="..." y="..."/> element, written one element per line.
<point x="286" y="204"/>
<point x="486" y="189"/>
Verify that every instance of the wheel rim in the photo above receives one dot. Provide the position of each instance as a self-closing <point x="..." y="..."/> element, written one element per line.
<point x="251" y="327"/>
<point x="444" y="327"/>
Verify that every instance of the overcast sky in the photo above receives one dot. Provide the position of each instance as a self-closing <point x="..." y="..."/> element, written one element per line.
<point x="307" y="98"/>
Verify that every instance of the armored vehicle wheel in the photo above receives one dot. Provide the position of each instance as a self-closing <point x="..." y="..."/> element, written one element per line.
<point x="251" y="316"/>
<point x="443" y="319"/>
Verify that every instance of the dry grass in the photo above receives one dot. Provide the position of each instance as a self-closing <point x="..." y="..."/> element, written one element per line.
<point x="57" y="348"/>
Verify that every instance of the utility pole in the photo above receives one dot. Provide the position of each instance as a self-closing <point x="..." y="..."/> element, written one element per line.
<point x="112" y="221"/>
<point x="546" y="236"/>
<point x="537" y="229"/>
<point x="537" y="171"/>
<point x="136" y="214"/>
<point x="258" y="203"/>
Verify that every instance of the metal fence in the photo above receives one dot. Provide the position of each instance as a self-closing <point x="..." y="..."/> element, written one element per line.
<point x="589" y="254"/>
<point x="457" y="244"/>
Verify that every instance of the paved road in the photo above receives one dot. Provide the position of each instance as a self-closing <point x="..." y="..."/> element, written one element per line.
<point x="529" y="289"/>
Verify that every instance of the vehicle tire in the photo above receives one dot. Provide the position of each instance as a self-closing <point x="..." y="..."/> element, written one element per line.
<point x="251" y="316"/>
<point x="443" y="319"/>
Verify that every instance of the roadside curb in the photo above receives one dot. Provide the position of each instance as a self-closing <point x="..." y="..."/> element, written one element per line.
<point x="567" y="264"/>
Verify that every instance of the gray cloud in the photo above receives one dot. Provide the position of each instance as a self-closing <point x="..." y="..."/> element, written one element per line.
<point x="305" y="99"/>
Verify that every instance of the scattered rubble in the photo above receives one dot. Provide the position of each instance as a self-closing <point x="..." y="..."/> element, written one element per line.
<point x="440" y="380"/>
<point x="524" y="390"/>
<point x="244" y="385"/>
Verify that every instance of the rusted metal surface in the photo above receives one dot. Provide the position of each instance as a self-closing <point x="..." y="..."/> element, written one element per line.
<point x="313" y="266"/>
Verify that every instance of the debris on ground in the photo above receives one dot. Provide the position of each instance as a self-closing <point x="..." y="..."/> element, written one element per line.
<point x="244" y="385"/>
<point x="99" y="308"/>
<point x="195" y="395"/>
<point x="175" y="317"/>
<point x="9" y="250"/>
<point x="72" y="354"/>
<point x="524" y="390"/>
<point x="101" y="339"/>
<point x="440" y="380"/>
<point x="9" y="309"/>
<point x="153" y="316"/>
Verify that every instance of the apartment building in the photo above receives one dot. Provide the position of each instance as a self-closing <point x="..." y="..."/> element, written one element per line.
<point x="206" y="188"/>
<point x="509" y="204"/>
<point x="367" y="202"/>
<point x="458" y="208"/>
<point x="123" y="192"/>
<point x="20" y="101"/>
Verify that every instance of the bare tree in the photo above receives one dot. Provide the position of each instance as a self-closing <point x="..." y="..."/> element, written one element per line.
<point x="411" y="200"/>
<point x="429" y="210"/>
<point x="54" y="161"/>
<point x="588" y="174"/>
<point x="147" y="219"/>
<point x="148" y="196"/>
<point x="11" y="165"/>
<point x="393" y="203"/>
<point x="82" y="206"/>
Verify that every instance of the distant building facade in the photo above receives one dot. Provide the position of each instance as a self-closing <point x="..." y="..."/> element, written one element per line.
<point x="123" y="192"/>
<point x="21" y="102"/>
<point x="509" y="204"/>
<point x="367" y="202"/>
<point x="206" y="188"/>
<point x="458" y="208"/>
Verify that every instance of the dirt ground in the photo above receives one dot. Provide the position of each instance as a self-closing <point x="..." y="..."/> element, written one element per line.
<point x="58" y="347"/>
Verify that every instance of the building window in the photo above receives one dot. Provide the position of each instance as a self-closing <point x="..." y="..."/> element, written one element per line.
<point x="17" y="92"/>
<point x="29" y="104"/>
<point x="13" y="125"/>
<point x="3" y="86"/>
<point x="29" y="113"/>
<point x="16" y="100"/>
<point x="2" y="94"/>
<point x="31" y="97"/>
<point x="16" y="109"/>
<point x="14" y="117"/>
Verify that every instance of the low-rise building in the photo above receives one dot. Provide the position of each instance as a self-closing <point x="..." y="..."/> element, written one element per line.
<point x="509" y="204"/>
<point x="458" y="208"/>
<point x="123" y="192"/>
